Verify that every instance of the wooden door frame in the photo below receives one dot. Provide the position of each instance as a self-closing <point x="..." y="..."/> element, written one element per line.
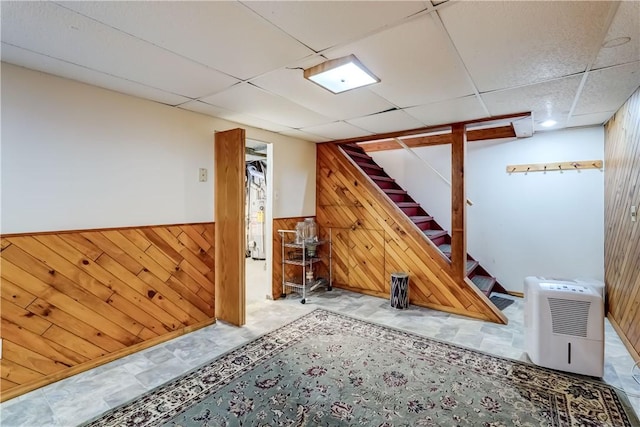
<point x="229" y="188"/>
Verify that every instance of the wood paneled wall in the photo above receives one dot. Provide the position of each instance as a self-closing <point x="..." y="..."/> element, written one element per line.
<point x="622" y="236"/>
<point x="372" y="238"/>
<point x="74" y="300"/>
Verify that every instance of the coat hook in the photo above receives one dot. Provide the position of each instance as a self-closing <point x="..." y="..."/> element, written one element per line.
<point x="545" y="167"/>
<point x="575" y="165"/>
<point x="528" y="167"/>
<point x="560" y="166"/>
<point x="513" y="170"/>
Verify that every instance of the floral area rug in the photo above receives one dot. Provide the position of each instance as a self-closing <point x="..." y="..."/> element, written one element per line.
<point x="327" y="369"/>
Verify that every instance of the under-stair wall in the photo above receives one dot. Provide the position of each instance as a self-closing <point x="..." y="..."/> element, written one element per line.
<point x="373" y="238"/>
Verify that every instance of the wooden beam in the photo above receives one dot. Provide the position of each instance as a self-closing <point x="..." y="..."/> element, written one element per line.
<point x="229" y="236"/>
<point x="458" y="206"/>
<point x="440" y="139"/>
<point x="416" y="142"/>
<point x="491" y="133"/>
<point x="389" y="135"/>
<point x="497" y="120"/>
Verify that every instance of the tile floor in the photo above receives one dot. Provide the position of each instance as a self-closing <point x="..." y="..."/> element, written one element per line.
<point x="85" y="396"/>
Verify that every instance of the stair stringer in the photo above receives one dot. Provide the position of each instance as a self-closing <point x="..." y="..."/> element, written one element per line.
<point x="348" y="199"/>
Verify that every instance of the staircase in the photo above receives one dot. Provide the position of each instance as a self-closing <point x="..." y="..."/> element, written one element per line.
<point x="429" y="227"/>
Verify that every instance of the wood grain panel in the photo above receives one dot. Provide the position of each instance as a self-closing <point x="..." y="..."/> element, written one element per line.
<point x="622" y="236"/>
<point x="440" y="139"/>
<point x="458" y="203"/>
<point x="230" y="236"/>
<point x="366" y="260"/>
<point x="341" y="244"/>
<point x="74" y="300"/>
<point x="30" y="359"/>
<point x="349" y="198"/>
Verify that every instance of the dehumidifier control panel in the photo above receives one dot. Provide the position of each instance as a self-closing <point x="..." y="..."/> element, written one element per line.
<point x="566" y="288"/>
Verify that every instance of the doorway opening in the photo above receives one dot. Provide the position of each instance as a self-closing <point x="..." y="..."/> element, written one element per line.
<point x="257" y="222"/>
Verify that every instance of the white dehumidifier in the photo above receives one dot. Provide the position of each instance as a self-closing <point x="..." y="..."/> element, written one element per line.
<point x="564" y="325"/>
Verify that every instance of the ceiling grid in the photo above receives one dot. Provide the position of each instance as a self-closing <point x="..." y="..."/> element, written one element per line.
<point x="439" y="62"/>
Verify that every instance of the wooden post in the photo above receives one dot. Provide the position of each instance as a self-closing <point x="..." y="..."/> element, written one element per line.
<point x="458" y="206"/>
<point x="229" y="219"/>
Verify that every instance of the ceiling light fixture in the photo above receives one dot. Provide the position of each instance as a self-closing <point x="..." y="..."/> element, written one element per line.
<point x="548" y="123"/>
<point x="340" y="75"/>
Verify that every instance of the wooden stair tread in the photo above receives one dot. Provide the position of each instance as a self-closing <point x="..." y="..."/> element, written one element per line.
<point x="471" y="265"/>
<point x="357" y="154"/>
<point x="445" y="248"/>
<point x="484" y="283"/>
<point x="368" y="165"/>
<point x="408" y="204"/>
<point x="434" y="234"/>
<point x="381" y="178"/>
<point x="393" y="191"/>
<point x="421" y="218"/>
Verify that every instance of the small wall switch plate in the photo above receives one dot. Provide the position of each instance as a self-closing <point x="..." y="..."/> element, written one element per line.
<point x="202" y="175"/>
<point x="634" y="213"/>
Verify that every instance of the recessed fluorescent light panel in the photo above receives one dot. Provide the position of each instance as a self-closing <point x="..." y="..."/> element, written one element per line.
<point x="548" y="123"/>
<point x="340" y="75"/>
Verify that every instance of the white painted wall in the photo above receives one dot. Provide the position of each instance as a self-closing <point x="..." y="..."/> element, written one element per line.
<point x="543" y="224"/>
<point x="75" y="156"/>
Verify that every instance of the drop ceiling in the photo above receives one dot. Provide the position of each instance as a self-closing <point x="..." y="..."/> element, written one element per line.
<point x="439" y="62"/>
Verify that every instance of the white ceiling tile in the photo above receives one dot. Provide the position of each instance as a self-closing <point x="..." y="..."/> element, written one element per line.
<point x="173" y="52"/>
<point x="295" y="133"/>
<point x="608" y="88"/>
<point x="389" y="121"/>
<point x="626" y="23"/>
<point x="333" y="22"/>
<point x="546" y="100"/>
<point x="414" y="62"/>
<point x="222" y="113"/>
<point x="204" y="108"/>
<point x="221" y="34"/>
<point x="34" y="61"/>
<point x="292" y="85"/>
<point x="255" y="122"/>
<point x="560" y="118"/>
<point x="512" y="43"/>
<point x="451" y="111"/>
<point x="248" y="99"/>
<point x="336" y="130"/>
<point x="61" y="33"/>
<point x="590" y="119"/>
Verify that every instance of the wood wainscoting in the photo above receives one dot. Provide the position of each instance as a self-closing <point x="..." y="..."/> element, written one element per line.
<point x="373" y="238"/>
<point x="621" y="235"/>
<point x="75" y="300"/>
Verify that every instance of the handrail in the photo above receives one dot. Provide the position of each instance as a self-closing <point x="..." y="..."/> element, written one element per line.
<point x="406" y="147"/>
